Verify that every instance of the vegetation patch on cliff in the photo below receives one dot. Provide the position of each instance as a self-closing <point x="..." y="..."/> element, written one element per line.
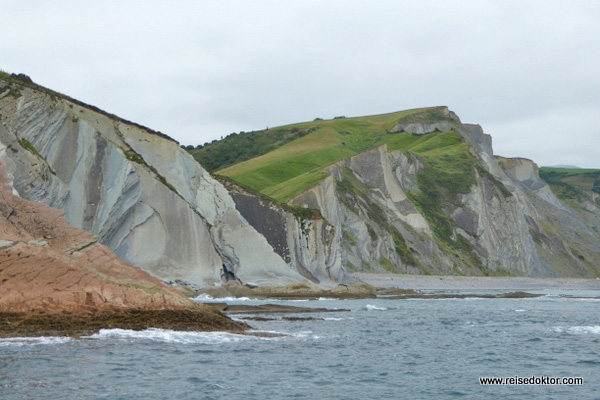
<point x="571" y="184"/>
<point x="301" y="213"/>
<point x="26" y="144"/>
<point x="297" y="162"/>
<point x="449" y="171"/>
<point x="238" y="147"/>
<point x="587" y="179"/>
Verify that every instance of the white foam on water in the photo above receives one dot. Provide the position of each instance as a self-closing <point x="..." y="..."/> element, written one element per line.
<point x="304" y="335"/>
<point x="169" y="336"/>
<point x="33" y="341"/>
<point x="579" y="330"/>
<point x="325" y="299"/>
<point x="520" y="310"/>
<point x="333" y="319"/>
<point x="584" y="299"/>
<point x="207" y="298"/>
<point x="371" y="307"/>
<point x="183" y="337"/>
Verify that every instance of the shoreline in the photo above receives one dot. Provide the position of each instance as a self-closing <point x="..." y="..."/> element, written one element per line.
<point x="391" y="286"/>
<point x="20" y="324"/>
<point x="450" y="282"/>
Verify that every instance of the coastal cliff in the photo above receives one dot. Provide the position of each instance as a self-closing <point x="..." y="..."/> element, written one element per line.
<point x="416" y="192"/>
<point x="392" y="211"/>
<point x="136" y="189"/>
<point x="395" y="211"/>
<point x="57" y="279"/>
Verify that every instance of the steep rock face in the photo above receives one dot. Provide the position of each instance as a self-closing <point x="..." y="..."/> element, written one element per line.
<point x="507" y="221"/>
<point x="567" y="239"/>
<point x="527" y="173"/>
<point x="306" y="243"/>
<point x="48" y="265"/>
<point x="144" y="197"/>
<point x="381" y="210"/>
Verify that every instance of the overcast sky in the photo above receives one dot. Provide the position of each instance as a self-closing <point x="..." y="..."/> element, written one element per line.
<point x="527" y="71"/>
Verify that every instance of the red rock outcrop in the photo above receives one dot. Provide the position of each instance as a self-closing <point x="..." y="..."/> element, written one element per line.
<point x="49" y="267"/>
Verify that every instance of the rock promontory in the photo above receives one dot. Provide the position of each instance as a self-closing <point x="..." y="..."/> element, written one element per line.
<point x="57" y="279"/>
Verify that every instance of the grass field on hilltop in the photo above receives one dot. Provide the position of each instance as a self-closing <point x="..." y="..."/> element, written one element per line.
<point x="588" y="179"/>
<point x="294" y="166"/>
<point x="449" y="168"/>
<point x="239" y="147"/>
<point x="569" y="184"/>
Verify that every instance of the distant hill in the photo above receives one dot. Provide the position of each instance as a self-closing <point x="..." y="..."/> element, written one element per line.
<point x="571" y="184"/>
<point x="415" y="191"/>
<point x="283" y="162"/>
<point x="564" y="166"/>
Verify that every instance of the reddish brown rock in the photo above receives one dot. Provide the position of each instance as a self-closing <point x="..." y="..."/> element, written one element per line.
<point x="48" y="267"/>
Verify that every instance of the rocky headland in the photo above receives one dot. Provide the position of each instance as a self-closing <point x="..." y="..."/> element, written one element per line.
<point x="416" y="192"/>
<point x="58" y="280"/>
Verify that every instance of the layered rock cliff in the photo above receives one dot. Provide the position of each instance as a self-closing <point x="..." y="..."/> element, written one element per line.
<point x="136" y="189"/>
<point x="395" y="211"/>
<point x="304" y="241"/>
<point x="48" y="267"/>
<point x="446" y="206"/>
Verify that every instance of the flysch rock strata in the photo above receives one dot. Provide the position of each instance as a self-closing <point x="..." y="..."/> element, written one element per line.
<point x="48" y="267"/>
<point x="143" y="196"/>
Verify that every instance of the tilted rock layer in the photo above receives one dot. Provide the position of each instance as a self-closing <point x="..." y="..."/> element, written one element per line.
<point x="155" y="207"/>
<point x="48" y="266"/>
<point x="137" y="190"/>
<point x="507" y="221"/>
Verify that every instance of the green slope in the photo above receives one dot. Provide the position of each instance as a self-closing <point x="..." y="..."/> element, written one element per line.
<point x="239" y="147"/>
<point x="571" y="184"/>
<point x="296" y="163"/>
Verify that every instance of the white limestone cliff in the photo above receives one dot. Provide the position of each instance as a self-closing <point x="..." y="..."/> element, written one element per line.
<point x="156" y="207"/>
<point x="145" y="197"/>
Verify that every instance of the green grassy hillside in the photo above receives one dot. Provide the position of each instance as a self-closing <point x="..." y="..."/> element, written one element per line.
<point x="239" y="147"/>
<point x="570" y="184"/>
<point x="294" y="156"/>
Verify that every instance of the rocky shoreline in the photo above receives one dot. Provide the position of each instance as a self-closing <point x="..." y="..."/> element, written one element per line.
<point x="57" y="280"/>
<point x="298" y="291"/>
<point x="444" y="282"/>
<point x="268" y="309"/>
<point x="13" y="324"/>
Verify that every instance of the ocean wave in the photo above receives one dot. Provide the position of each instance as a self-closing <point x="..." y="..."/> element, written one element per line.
<point x="371" y="307"/>
<point x="33" y="341"/>
<point x="304" y="335"/>
<point x="583" y="298"/>
<point x="579" y="330"/>
<point x="169" y="336"/>
<point x="207" y="298"/>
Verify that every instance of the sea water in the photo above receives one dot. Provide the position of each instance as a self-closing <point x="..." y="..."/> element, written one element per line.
<point x="380" y="349"/>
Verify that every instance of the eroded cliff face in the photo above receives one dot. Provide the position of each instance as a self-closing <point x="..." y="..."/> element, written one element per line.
<point x="145" y="198"/>
<point x="507" y="221"/>
<point x="380" y="210"/>
<point x="48" y="265"/>
<point x="307" y="243"/>
<point x="567" y="238"/>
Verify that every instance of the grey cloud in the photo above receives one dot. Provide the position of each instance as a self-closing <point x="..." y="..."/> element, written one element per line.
<point x="200" y="70"/>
